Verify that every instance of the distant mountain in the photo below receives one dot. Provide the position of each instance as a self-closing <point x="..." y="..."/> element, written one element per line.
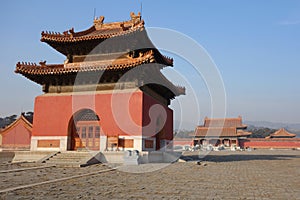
<point x="293" y="128"/>
<point x="7" y="120"/>
<point x="274" y="125"/>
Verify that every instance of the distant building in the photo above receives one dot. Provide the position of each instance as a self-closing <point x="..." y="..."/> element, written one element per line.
<point x="182" y="143"/>
<point x="16" y="136"/>
<point x="217" y="132"/>
<point x="281" y="133"/>
<point x="281" y="139"/>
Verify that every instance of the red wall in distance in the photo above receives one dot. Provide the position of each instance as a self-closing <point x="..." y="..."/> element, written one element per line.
<point x="270" y="143"/>
<point x="17" y="136"/>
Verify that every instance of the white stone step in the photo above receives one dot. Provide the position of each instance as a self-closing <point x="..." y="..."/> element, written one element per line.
<point x="69" y="158"/>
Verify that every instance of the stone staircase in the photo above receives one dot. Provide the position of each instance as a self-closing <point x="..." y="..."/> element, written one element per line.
<point x="69" y="159"/>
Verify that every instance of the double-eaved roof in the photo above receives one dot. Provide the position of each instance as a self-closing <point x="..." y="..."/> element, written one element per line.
<point x="222" y="127"/>
<point x="111" y="47"/>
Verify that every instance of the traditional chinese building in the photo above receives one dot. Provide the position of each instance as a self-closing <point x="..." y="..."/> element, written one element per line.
<point x="217" y="132"/>
<point x="17" y="135"/>
<point x="281" y="139"/>
<point x="281" y="133"/>
<point x="108" y="94"/>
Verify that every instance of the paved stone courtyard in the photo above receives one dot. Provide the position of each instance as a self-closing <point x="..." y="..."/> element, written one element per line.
<point x="260" y="174"/>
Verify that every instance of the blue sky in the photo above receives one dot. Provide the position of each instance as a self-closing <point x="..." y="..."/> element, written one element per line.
<point x="255" y="45"/>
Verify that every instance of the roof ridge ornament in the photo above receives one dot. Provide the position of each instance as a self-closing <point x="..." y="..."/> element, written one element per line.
<point x="43" y="63"/>
<point x="98" y="22"/>
<point x="135" y="18"/>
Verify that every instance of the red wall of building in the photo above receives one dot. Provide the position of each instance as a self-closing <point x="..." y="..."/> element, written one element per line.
<point x="16" y="137"/>
<point x="159" y="111"/>
<point x="182" y="142"/>
<point x="270" y="143"/>
<point x="52" y="113"/>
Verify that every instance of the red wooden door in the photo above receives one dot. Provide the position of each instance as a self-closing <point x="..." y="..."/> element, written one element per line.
<point x="88" y="135"/>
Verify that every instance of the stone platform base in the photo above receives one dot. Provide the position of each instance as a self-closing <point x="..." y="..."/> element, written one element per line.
<point x="22" y="156"/>
<point x="145" y="157"/>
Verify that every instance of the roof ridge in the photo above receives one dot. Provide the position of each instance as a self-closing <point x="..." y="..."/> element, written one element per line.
<point x="227" y="118"/>
<point x="21" y="117"/>
<point x="282" y="131"/>
<point x="132" y="25"/>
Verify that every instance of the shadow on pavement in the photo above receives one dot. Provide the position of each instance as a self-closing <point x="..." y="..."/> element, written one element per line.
<point x="236" y="157"/>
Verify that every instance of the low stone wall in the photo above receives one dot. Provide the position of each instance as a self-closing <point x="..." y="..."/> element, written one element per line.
<point x="145" y="157"/>
<point x="6" y="157"/>
<point x="15" y="147"/>
<point x="262" y="143"/>
<point x="110" y="157"/>
<point x="29" y="156"/>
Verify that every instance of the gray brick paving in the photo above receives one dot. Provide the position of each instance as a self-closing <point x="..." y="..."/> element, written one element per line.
<point x="262" y="174"/>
